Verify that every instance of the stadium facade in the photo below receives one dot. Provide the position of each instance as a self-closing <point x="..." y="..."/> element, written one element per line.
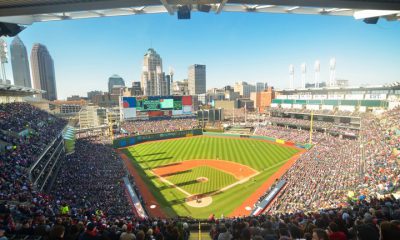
<point x="352" y="99"/>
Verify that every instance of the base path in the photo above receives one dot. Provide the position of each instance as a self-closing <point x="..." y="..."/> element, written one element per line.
<point x="239" y="171"/>
<point x="144" y="191"/>
<point x="249" y="202"/>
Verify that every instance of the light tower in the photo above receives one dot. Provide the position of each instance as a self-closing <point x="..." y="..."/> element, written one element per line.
<point x="171" y="73"/>
<point x="171" y="78"/>
<point x="317" y="69"/>
<point x="3" y="59"/>
<point x="291" y="76"/>
<point x="332" y="67"/>
<point x="303" y="75"/>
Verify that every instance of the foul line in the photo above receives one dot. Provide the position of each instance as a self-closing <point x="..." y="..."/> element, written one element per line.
<point x="171" y="184"/>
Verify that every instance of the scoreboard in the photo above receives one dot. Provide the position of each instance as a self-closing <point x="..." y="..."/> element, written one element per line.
<point x="154" y="106"/>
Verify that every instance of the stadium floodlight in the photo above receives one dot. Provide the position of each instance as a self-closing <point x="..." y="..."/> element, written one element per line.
<point x="303" y="75"/>
<point x="291" y="76"/>
<point x="204" y="8"/>
<point x="184" y="12"/>
<point x="373" y="20"/>
<point x="332" y="68"/>
<point x="317" y="70"/>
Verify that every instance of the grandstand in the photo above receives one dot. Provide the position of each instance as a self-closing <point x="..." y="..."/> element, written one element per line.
<point x="340" y="99"/>
<point x="341" y="183"/>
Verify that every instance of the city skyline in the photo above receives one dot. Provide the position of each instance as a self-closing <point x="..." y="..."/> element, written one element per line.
<point x="237" y="47"/>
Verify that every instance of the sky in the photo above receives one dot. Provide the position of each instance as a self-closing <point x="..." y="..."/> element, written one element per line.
<point x="252" y="47"/>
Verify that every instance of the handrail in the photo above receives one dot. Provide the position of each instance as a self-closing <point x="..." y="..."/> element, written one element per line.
<point x="44" y="152"/>
<point x="41" y="173"/>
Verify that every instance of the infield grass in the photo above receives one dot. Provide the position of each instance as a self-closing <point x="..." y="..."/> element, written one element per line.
<point x="262" y="156"/>
<point x="188" y="180"/>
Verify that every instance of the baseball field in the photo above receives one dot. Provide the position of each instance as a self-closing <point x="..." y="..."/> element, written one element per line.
<point x="198" y="176"/>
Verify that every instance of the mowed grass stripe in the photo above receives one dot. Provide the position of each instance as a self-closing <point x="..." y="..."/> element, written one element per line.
<point x="262" y="156"/>
<point x="188" y="181"/>
<point x="256" y="154"/>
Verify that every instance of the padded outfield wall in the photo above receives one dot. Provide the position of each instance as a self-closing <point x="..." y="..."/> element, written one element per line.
<point x="280" y="141"/>
<point x="132" y="140"/>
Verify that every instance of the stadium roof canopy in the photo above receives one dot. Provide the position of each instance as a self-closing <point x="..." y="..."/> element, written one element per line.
<point x="11" y="90"/>
<point x="27" y="12"/>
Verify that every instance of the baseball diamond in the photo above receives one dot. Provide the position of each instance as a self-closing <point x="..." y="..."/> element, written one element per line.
<point x="234" y="169"/>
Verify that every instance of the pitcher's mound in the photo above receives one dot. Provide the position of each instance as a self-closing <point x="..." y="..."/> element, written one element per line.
<point x="200" y="202"/>
<point x="202" y="179"/>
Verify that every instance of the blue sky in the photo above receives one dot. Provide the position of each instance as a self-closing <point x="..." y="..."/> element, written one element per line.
<point x="248" y="47"/>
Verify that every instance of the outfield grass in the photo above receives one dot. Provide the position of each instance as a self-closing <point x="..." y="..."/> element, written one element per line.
<point x="262" y="156"/>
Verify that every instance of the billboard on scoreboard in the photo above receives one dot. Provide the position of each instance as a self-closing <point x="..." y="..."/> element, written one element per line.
<point x="154" y="106"/>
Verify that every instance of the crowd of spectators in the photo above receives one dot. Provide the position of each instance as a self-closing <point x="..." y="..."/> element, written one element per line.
<point x="88" y="200"/>
<point x="326" y="126"/>
<point x="91" y="179"/>
<point x="157" y="126"/>
<point x="323" y="176"/>
<point x="361" y="220"/>
<point x="289" y="134"/>
<point x="25" y="131"/>
<point x="334" y="112"/>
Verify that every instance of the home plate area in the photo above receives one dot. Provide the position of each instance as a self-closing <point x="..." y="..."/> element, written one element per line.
<point x="199" y="180"/>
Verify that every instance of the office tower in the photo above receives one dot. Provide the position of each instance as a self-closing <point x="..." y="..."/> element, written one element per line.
<point x="260" y="87"/>
<point x="180" y="88"/>
<point x="153" y="77"/>
<point x="168" y="81"/>
<point x="43" y="71"/>
<point x="20" y="63"/>
<point x="136" y="89"/>
<point x="197" y="79"/>
<point x="244" y="89"/>
<point x="114" y="81"/>
<point x="91" y="94"/>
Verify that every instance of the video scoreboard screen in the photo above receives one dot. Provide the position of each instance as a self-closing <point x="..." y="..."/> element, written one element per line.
<point x="152" y="106"/>
<point x="159" y="103"/>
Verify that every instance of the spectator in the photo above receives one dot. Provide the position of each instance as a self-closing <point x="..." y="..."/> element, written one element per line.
<point x="319" y="234"/>
<point x="128" y="235"/>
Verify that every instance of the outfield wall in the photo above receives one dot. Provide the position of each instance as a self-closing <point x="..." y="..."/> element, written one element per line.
<point x="280" y="141"/>
<point x="132" y="140"/>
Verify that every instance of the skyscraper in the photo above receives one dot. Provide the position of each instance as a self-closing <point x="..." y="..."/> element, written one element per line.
<point x="244" y="89"/>
<point x="168" y="81"/>
<point x="153" y="77"/>
<point x="115" y="80"/>
<point x="197" y="79"/>
<point x="260" y="87"/>
<point x="43" y="71"/>
<point x="20" y="63"/>
<point x="136" y="89"/>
